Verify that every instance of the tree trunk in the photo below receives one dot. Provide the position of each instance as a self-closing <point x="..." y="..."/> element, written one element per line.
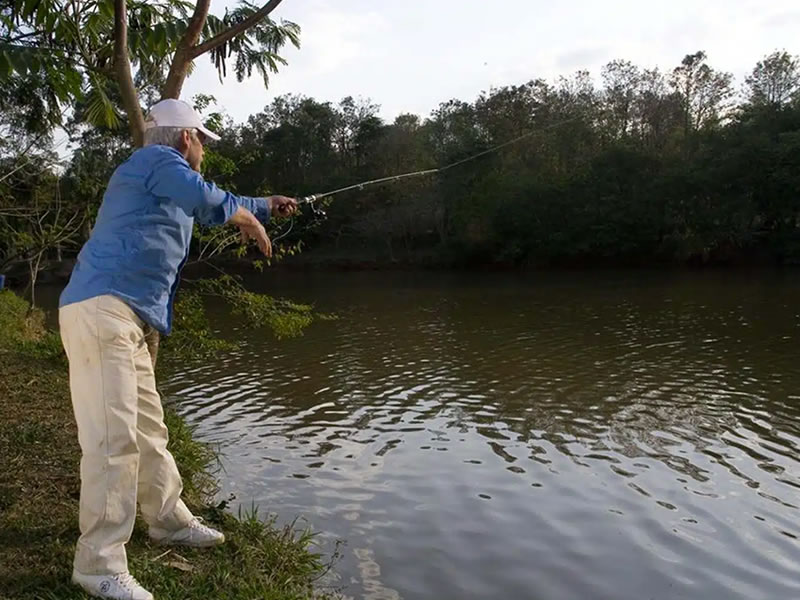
<point x="178" y="71"/>
<point x="122" y="67"/>
<point x="34" y="264"/>
<point x="179" y="68"/>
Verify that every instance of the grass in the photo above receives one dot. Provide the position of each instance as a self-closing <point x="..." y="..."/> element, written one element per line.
<point x="39" y="491"/>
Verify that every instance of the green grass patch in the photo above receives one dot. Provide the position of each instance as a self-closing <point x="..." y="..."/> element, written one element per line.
<point x="40" y="486"/>
<point x="22" y="330"/>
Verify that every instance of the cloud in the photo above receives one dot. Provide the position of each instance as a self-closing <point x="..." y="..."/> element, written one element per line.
<point x="782" y="19"/>
<point x="333" y="38"/>
<point x="411" y="55"/>
<point x="583" y="58"/>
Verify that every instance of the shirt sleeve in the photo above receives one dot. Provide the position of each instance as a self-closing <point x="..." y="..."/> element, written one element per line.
<point x="174" y="179"/>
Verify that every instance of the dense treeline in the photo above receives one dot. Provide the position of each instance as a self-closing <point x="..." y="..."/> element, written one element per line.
<point x="647" y="167"/>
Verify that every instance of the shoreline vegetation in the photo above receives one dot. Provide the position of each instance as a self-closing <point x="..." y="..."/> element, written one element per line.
<point x="684" y="167"/>
<point x="374" y="259"/>
<point x="39" y="491"/>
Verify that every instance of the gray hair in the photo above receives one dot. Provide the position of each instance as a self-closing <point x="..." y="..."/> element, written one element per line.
<point x="165" y="136"/>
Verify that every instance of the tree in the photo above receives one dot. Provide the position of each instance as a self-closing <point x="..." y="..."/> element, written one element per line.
<point x="87" y="50"/>
<point x="44" y="222"/>
<point x="289" y="144"/>
<point x="357" y="122"/>
<point x="35" y="213"/>
<point x="774" y="81"/>
<point x="703" y="92"/>
<point x="621" y="85"/>
<point x="657" y="111"/>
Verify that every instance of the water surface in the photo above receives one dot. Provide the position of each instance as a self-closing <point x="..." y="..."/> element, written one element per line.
<point x="590" y="436"/>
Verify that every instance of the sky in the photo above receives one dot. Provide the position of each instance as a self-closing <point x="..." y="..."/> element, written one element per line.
<point x="409" y="56"/>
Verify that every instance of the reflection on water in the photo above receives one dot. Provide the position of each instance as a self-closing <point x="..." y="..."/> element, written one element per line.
<point x="542" y="436"/>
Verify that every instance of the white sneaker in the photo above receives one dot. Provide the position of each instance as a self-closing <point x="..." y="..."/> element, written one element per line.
<point x="121" y="586"/>
<point x="194" y="534"/>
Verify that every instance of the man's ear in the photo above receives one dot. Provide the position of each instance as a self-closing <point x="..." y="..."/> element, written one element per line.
<point x="186" y="141"/>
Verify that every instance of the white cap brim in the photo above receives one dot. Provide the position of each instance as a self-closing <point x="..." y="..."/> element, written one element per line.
<point x="209" y="134"/>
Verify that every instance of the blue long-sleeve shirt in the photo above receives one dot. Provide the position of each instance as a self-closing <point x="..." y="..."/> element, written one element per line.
<point x="141" y="238"/>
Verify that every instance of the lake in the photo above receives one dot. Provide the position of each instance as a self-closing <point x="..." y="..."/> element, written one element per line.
<point x="575" y="435"/>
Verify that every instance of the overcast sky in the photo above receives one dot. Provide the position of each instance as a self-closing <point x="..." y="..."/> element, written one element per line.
<point x="409" y="56"/>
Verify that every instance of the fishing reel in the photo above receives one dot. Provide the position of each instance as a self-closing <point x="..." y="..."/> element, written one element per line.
<point x="318" y="213"/>
<point x="316" y="209"/>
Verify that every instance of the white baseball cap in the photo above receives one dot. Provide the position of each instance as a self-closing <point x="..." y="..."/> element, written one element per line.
<point x="176" y="113"/>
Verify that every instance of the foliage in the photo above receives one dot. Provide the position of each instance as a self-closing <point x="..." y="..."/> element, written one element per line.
<point x="258" y="50"/>
<point x="199" y="462"/>
<point x="193" y="336"/>
<point x="24" y="331"/>
<point x="283" y="317"/>
<point x="651" y="167"/>
<point x="775" y="81"/>
<point x="66" y="48"/>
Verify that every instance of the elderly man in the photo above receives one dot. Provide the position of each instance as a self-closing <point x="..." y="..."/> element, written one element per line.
<point x="121" y="290"/>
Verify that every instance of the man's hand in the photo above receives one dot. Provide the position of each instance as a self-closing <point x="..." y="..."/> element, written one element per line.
<point x="251" y="229"/>
<point x="282" y="206"/>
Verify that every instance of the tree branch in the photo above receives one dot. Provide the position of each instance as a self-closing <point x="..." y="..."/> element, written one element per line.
<point x="235" y="30"/>
<point x="183" y="54"/>
<point x="122" y="66"/>
<point x="23" y="36"/>
<point x="78" y="37"/>
<point x="196" y="23"/>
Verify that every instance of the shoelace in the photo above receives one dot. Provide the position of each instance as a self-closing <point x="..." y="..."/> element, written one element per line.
<point x="127" y="581"/>
<point x="197" y="523"/>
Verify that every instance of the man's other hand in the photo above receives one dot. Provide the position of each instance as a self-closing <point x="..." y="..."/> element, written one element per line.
<point x="252" y="229"/>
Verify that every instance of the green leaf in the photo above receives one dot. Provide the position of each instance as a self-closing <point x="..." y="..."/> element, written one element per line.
<point x="45" y="13"/>
<point x="50" y="20"/>
<point x="161" y="38"/>
<point x="73" y="80"/>
<point x="57" y="85"/>
<point x="134" y="41"/>
<point x="28" y="8"/>
<point x="92" y="24"/>
<point x="172" y="33"/>
<point x="35" y="63"/>
<point x="5" y="66"/>
<point x="150" y="38"/>
<point x="18" y="62"/>
<point x="106" y="8"/>
<point x="99" y="109"/>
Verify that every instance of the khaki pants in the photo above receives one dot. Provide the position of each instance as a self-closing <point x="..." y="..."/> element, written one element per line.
<point x="121" y="432"/>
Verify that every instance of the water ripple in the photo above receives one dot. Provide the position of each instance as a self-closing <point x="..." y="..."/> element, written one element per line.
<point x="611" y="438"/>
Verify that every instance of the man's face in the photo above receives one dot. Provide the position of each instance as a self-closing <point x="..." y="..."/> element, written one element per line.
<point x="193" y="151"/>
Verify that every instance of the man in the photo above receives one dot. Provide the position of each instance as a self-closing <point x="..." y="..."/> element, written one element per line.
<point x="121" y="290"/>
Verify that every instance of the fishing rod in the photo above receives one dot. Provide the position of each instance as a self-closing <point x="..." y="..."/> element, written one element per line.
<point x="320" y="212"/>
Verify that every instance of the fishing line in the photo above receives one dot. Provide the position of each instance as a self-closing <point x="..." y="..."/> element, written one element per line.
<point x="314" y="198"/>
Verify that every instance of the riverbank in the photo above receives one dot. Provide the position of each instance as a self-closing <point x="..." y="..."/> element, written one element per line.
<point x="39" y="491"/>
<point x="323" y="256"/>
